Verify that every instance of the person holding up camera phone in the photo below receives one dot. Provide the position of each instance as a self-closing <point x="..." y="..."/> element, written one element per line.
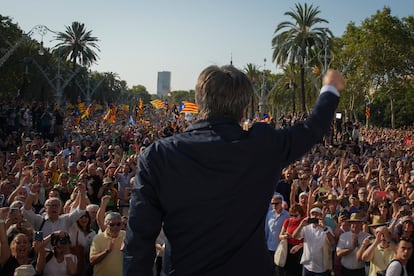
<point x="58" y="261"/>
<point x="317" y="241"/>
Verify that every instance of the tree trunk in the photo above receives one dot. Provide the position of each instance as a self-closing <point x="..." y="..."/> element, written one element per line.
<point x="302" y="87"/>
<point x="293" y="100"/>
<point x="392" y="112"/>
<point x="252" y="107"/>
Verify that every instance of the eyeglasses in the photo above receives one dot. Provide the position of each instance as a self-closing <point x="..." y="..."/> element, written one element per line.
<point x="276" y="203"/>
<point x="115" y="224"/>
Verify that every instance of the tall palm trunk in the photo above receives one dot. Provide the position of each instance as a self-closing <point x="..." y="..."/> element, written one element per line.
<point x="392" y="112"/>
<point x="302" y="87"/>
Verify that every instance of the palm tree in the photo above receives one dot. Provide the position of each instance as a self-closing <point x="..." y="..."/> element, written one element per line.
<point x="77" y="44"/>
<point x="253" y="74"/>
<point x="294" y="41"/>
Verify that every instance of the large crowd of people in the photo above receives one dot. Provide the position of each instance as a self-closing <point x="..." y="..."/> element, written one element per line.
<point x="346" y="207"/>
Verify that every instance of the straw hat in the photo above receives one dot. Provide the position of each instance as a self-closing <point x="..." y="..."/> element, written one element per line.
<point x="331" y="198"/>
<point x="355" y="217"/>
<point x="107" y="181"/>
<point x="317" y="204"/>
<point x="25" y="270"/>
<point x="377" y="221"/>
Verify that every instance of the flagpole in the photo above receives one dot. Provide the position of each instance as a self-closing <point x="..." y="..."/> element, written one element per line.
<point x="367" y="110"/>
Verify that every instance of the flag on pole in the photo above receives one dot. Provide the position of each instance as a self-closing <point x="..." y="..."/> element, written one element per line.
<point x="141" y="104"/>
<point x="266" y="117"/>
<point x="158" y="104"/>
<point x="110" y="115"/>
<point x="188" y="107"/>
<point x="87" y="112"/>
<point x="367" y="108"/>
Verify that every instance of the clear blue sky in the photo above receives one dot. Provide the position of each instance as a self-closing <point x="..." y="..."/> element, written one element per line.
<point x="138" y="38"/>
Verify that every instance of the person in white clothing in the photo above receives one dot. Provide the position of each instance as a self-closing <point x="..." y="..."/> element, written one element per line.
<point x="348" y="246"/>
<point x="53" y="220"/>
<point x="60" y="261"/>
<point x="317" y="241"/>
<point x="403" y="254"/>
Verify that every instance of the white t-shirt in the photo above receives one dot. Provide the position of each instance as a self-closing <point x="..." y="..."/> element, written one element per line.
<point x="313" y="253"/>
<point x="346" y="241"/>
<point x="394" y="269"/>
<point x="53" y="268"/>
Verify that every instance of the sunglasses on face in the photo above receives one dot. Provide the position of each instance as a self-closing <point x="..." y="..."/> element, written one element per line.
<point x="115" y="224"/>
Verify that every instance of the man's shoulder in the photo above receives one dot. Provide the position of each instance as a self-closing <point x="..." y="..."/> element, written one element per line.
<point x="285" y="213"/>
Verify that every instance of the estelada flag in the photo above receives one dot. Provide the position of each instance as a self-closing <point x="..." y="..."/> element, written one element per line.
<point x="188" y="107"/>
<point x="158" y="104"/>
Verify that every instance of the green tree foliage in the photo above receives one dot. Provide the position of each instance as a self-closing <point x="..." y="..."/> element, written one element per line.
<point x="140" y="92"/>
<point x="253" y="73"/>
<point x="298" y="41"/>
<point x="182" y="95"/>
<point x="379" y="58"/>
<point x="77" y="44"/>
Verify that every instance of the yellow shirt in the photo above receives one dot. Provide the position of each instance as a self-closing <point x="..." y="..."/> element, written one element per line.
<point x="382" y="257"/>
<point x="111" y="265"/>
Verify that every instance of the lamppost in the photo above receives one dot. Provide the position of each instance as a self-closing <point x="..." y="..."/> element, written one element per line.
<point x="89" y="91"/>
<point x="40" y="29"/>
<point x="58" y="86"/>
<point x="262" y="95"/>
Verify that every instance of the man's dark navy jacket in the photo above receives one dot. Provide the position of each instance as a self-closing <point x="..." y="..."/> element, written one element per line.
<point x="211" y="187"/>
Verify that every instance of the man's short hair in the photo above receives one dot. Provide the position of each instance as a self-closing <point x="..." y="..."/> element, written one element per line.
<point x="110" y="216"/>
<point x="49" y="200"/>
<point x="222" y="92"/>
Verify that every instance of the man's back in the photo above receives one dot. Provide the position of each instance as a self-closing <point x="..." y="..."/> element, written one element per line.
<point x="219" y="176"/>
<point x="210" y="189"/>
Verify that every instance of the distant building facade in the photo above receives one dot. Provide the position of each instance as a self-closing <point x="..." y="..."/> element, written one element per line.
<point x="163" y="83"/>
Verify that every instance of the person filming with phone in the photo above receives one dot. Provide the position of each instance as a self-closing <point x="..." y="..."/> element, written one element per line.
<point x="317" y="242"/>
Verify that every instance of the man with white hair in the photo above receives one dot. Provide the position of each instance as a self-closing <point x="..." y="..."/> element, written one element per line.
<point x="107" y="246"/>
<point x="92" y="209"/>
<point x="378" y="251"/>
<point x="53" y="219"/>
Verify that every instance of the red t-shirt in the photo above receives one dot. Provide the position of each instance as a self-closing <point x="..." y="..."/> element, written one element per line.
<point x="291" y="225"/>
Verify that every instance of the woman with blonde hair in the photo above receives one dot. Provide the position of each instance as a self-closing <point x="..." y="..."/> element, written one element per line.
<point x="64" y="186"/>
<point x="19" y="253"/>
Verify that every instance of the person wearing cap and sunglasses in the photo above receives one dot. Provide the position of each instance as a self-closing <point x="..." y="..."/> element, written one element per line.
<point x="106" y="249"/>
<point x="317" y="242"/>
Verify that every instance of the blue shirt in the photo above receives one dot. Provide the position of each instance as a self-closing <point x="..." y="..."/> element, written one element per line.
<point x="274" y="223"/>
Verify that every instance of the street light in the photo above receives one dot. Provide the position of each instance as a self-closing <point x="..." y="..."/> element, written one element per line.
<point x="40" y="29"/>
<point x="58" y="86"/>
<point x="262" y="91"/>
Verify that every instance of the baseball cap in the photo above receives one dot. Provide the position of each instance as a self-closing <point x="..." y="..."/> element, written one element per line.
<point x="316" y="210"/>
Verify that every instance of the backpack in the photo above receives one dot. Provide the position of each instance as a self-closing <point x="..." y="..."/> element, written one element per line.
<point x="382" y="273"/>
